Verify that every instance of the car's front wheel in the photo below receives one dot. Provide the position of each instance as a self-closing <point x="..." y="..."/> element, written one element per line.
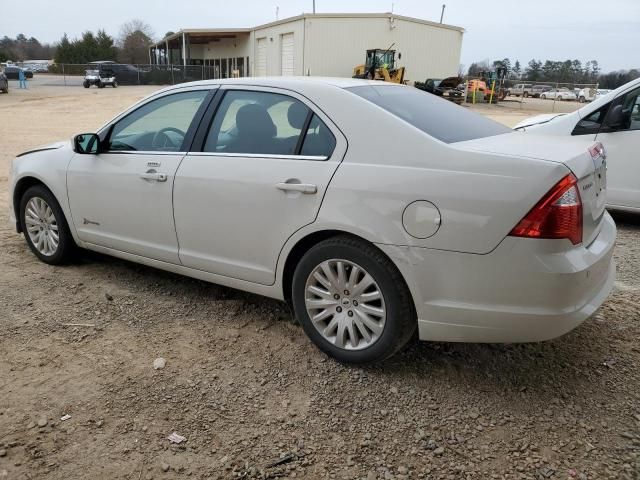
<point x="44" y="226"/>
<point x="352" y="301"/>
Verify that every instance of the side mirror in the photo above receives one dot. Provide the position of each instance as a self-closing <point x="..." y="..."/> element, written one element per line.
<point x="615" y="119"/>
<point x="86" y="143"/>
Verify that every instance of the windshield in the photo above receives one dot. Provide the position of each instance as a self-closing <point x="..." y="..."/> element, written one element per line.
<point x="436" y="117"/>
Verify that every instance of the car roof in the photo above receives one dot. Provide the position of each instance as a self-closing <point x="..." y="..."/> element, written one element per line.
<point x="298" y="84"/>
<point x="289" y="82"/>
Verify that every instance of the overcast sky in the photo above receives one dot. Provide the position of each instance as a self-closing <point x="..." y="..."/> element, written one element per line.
<point x="607" y="31"/>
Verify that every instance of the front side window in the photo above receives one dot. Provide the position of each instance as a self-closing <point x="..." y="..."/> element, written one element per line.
<point x="160" y="125"/>
<point x="624" y="113"/>
<point x="249" y="122"/>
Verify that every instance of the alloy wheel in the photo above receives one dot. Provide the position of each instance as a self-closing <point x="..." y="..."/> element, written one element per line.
<point x="345" y="304"/>
<point x="42" y="227"/>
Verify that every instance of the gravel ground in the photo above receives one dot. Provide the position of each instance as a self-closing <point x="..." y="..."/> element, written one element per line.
<point x="253" y="398"/>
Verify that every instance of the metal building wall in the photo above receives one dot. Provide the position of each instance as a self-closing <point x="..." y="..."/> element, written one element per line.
<point x="334" y="45"/>
<point x="273" y="34"/>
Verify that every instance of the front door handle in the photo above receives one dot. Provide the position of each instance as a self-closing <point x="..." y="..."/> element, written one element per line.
<point x="154" y="176"/>
<point x="307" y="188"/>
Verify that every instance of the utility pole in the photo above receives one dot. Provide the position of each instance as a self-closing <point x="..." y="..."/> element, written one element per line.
<point x="314" y="7"/>
<point x="442" y="13"/>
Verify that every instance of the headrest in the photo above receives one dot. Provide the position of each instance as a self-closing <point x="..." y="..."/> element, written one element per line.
<point x="253" y="119"/>
<point x="297" y="114"/>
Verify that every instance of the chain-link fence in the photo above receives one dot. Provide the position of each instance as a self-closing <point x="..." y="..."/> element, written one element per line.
<point x="138" y="74"/>
<point x="530" y="95"/>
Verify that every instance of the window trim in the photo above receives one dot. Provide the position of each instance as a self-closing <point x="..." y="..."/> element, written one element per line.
<point x="105" y="132"/>
<point x="209" y="115"/>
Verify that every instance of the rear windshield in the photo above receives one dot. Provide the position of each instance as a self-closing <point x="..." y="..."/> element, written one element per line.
<point x="439" y="118"/>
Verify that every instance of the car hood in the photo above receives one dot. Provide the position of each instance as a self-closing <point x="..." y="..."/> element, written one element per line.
<point x="52" y="146"/>
<point x="538" y="119"/>
<point x="450" y="82"/>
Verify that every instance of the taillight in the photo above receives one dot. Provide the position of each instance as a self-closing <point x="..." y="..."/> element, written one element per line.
<point x="557" y="215"/>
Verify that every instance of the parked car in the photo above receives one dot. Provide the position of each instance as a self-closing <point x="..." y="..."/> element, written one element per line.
<point x="12" y="72"/>
<point x="614" y="120"/>
<point x="590" y="94"/>
<point x="538" y="90"/>
<point x="559" y="94"/>
<point x="520" y="89"/>
<point x="4" y="83"/>
<point x="448" y="88"/>
<point x="469" y="231"/>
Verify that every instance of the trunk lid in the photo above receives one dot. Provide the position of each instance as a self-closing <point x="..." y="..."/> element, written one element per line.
<point x="585" y="159"/>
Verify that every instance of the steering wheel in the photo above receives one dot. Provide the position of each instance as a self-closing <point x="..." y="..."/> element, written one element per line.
<point x="161" y="140"/>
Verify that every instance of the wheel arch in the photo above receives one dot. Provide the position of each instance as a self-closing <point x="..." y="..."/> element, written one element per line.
<point x="22" y="186"/>
<point x="304" y="244"/>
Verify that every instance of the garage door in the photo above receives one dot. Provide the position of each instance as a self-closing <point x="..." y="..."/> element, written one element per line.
<point x="261" y="58"/>
<point x="287" y="54"/>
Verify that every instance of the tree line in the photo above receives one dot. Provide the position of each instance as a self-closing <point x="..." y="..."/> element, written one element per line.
<point x="552" y="71"/>
<point x="130" y="46"/>
<point x="23" y="48"/>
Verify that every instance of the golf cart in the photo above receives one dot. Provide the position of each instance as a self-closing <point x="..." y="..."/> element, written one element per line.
<point x="100" y="77"/>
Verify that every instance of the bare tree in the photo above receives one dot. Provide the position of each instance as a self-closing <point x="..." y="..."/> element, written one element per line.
<point x="134" y="40"/>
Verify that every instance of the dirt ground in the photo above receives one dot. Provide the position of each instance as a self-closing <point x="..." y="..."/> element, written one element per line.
<point x="253" y="397"/>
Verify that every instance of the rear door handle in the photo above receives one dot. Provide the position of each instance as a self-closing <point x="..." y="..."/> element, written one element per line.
<point x="154" y="176"/>
<point x="307" y="188"/>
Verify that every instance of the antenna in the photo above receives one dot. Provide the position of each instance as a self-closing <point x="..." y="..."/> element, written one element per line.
<point x="442" y="13"/>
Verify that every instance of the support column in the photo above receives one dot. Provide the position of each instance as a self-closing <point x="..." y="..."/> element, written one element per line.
<point x="167" y="56"/>
<point x="184" y="49"/>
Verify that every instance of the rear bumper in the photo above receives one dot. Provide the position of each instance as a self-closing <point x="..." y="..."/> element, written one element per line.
<point x="526" y="290"/>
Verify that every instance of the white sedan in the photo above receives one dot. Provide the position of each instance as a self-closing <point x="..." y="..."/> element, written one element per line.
<point x="614" y="120"/>
<point x="373" y="209"/>
<point x="559" y="94"/>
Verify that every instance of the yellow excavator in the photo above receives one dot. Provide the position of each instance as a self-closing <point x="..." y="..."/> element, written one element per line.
<point x="380" y="65"/>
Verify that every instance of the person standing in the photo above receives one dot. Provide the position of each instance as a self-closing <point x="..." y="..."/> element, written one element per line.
<point x="22" y="79"/>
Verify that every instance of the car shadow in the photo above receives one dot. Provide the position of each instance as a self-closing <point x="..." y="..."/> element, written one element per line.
<point x="576" y="359"/>
<point x="626" y="219"/>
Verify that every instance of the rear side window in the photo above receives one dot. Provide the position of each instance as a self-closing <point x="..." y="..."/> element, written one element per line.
<point x="436" y="117"/>
<point x="251" y="122"/>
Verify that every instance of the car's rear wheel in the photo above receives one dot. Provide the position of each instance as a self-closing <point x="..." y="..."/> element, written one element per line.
<point x="581" y="99"/>
<point x="543" y="97"/>
<point x="352" y="301"/>
<point x="525" y="94"/>
<point x="44" y="226"/>
<point x="114" y="84"/>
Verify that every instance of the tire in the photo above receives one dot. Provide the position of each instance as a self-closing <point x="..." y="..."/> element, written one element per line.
<point x="525" y="94"/>
<point x="543" y="97"/>
<point x="114" y="84"/>
<point x="581" y="99"/>
<point x="394" y="329"/>
<point x="66" y="246"/>
<point x="86" y="84"/>
<point x="100" y="84"/>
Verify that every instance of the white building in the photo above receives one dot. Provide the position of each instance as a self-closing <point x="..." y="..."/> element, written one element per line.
<point x="316" y="44"/>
